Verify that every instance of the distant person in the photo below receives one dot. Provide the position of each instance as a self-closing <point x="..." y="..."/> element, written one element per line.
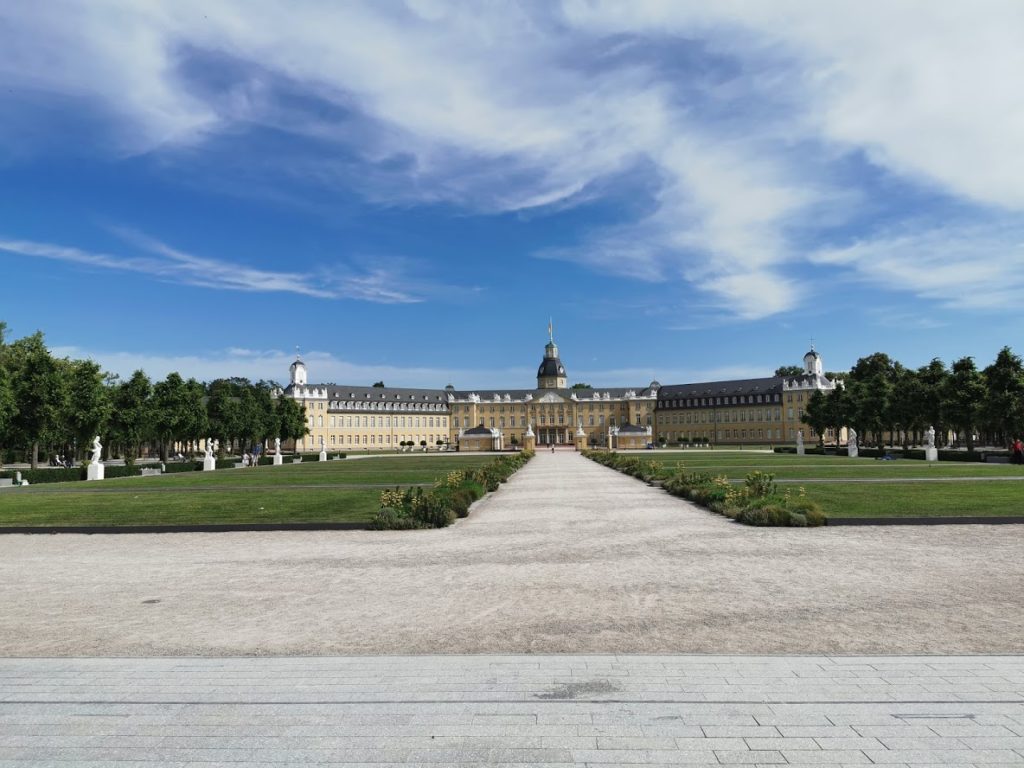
<point x="1018" y="451"/>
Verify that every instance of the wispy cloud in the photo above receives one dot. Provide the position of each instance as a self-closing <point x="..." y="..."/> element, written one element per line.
<point x="325" y="367"/>
<point x="736" y="111"/>
<point x="959" y="266"/>
<point x="389" y="281"/>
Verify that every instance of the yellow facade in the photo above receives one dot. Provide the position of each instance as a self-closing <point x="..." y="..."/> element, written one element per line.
<point x="350" y="418"/>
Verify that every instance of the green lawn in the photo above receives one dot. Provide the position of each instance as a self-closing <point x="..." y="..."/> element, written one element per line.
<point x="959" y="497"/>
<point x="982" y="499"/>
<point x="792" y="467"/>
<point x="258" y="495"/>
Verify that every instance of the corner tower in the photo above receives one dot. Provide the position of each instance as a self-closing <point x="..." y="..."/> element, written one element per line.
<point x="298" y="372"/>
<point x="551" y="373"/>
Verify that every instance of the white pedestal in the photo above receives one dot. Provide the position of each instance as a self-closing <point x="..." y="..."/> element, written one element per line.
<point x="800" y="450"/>
<point x="278" y="459"/>
<point x="209" y="464"/>
<point x="851" y="450"/>
<point x="94" y="471"/>
<point x="323" y="455"/>
<point x="931" y="454"/>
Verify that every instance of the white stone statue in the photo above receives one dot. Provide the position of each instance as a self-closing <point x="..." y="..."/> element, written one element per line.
<point x="97" y="450"/>
<point x="208" y="453"/>
<point x="853" y="437"/>
<point x="321" y="441"/>
<point x="277" y="445"/>
<point x="929" y="437"/>
<point x="800" y="450"/>
<point x="529" y="430"/>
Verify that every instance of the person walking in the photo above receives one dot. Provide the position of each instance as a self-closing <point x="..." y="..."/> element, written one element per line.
<point x="1018" y="451"/>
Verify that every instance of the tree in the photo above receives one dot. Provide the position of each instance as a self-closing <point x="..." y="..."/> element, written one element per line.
<point x="379" y="384"/>
<point x="870" y="393"/>
<point x="291" y="419"/>
<point x="838" y="410"/>
<point x="906" y="406"/>
<point x="932" y="379"/>
<point x="87" y="408"/>
<point x="580" y="385"/>
<point x="179" y="413"/>
<point x="789" y="370"/>
<point x="816" y="415"/>
<point x="223" y="412"/>
<point x="132" y="419"/>
<point x="8" y="406"/>
<point x="1003" y="406"/>
<point x="38" y="392"/>
<point x="964" y="393"/>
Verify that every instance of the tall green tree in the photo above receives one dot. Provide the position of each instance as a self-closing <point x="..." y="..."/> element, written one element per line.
<point x="87" y="407"/>
<point x="962" y="399"/>
<point x="838" y="410"/>
<point x="932" y="378"/>
<point x="1003" y="406"/>
<point x="38" y="392"/>
<point x="870" y="393"/>
<point x="172" y="419"/>
<point x="291" y="419"/>
<point x="789" y="370"/>
<point x="905" y="405"/>
<point x="816" y="415"/>
<point x="223" y="411"/>
<point x="132" y="419"/>
<point x="8" y="406"/>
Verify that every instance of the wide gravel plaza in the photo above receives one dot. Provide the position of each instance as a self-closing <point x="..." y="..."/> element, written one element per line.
<point x="567" y="558"/>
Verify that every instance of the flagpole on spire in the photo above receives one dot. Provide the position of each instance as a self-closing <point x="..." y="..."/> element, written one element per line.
<point x="551" y="334"/>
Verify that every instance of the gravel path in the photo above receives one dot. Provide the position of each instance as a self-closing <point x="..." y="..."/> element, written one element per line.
<point x="567" y="557"/>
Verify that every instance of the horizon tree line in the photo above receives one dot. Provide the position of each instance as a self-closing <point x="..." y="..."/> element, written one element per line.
<point x="882" y="398"/>
<point x="55" y="406"/>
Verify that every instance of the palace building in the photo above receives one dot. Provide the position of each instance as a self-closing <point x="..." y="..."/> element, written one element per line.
<point x="349" y="418"/>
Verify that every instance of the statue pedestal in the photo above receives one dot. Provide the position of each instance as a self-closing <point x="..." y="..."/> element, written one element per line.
<point x="278" y="459"/>
<point x="323" y="455"/>
<point x="800" y="450"/>
<point x="931" y="454"/>
<point x="530" y="443"/>
<point x="209" y="464"/>
<point x="851" y="450"/>
<point x="94" y="471"/>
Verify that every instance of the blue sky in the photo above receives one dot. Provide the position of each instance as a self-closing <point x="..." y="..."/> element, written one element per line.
<point x="408" y="190"/>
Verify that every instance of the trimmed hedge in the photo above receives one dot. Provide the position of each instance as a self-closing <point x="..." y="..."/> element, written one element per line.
<point x="757" y="502"/>
<point x="449" y="498"/>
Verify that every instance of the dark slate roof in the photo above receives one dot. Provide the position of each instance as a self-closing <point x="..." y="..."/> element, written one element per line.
<point x="478" y="431"/>
<point x="368" y="394"/>
<point x="487" y="395"/>
<point x="719" y="388"/>
<point x="635" y="429"/>
<point x="549" y="367"/>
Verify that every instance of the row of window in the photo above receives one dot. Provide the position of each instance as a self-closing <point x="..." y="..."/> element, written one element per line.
<point x="379" y="421"/>
<point x="345" y="405"/>
<point x="336" y="440"/>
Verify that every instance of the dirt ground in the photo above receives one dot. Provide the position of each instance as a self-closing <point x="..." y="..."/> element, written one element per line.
<point x="567" y="557"/>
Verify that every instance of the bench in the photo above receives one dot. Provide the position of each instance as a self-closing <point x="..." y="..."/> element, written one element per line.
<point x="150" y="471"/>
<point x="6" y="482"/>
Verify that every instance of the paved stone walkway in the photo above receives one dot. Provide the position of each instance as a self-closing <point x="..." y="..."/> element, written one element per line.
<point x="568" y="557"/>
<point x="513" y="710"/>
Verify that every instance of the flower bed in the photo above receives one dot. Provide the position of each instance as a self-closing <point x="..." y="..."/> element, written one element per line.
<point x="758" y="501"/>
<point x="449" y="498"/>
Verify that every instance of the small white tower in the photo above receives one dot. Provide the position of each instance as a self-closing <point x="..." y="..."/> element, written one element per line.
<point x="812" y="363"/>
<point x="298" y="372"/>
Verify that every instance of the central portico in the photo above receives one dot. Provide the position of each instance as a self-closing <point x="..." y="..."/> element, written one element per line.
<point x="553" y="413"/>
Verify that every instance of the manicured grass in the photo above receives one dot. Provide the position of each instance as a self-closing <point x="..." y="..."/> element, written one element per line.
<point x="258" y="495"/>
<point x="960" y="496"/>
<point x="981" y="499"/>
<point x="792" y="467"/>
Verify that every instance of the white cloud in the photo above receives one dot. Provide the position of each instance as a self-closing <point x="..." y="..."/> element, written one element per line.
<point x="386" y="281"/>
<point x="530" y="106"/>
<point x="325" y="367"/>
<point x="961" y="267"/>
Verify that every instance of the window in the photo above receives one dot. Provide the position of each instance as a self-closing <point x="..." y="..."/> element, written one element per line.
<point x="320" y="419"/>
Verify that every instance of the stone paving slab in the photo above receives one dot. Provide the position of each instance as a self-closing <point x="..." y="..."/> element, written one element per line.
<point x="507" y="710"/>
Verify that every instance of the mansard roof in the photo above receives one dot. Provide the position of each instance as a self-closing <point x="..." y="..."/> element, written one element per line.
<point x="770" y="384"/>
<point x="381" y="394"/>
